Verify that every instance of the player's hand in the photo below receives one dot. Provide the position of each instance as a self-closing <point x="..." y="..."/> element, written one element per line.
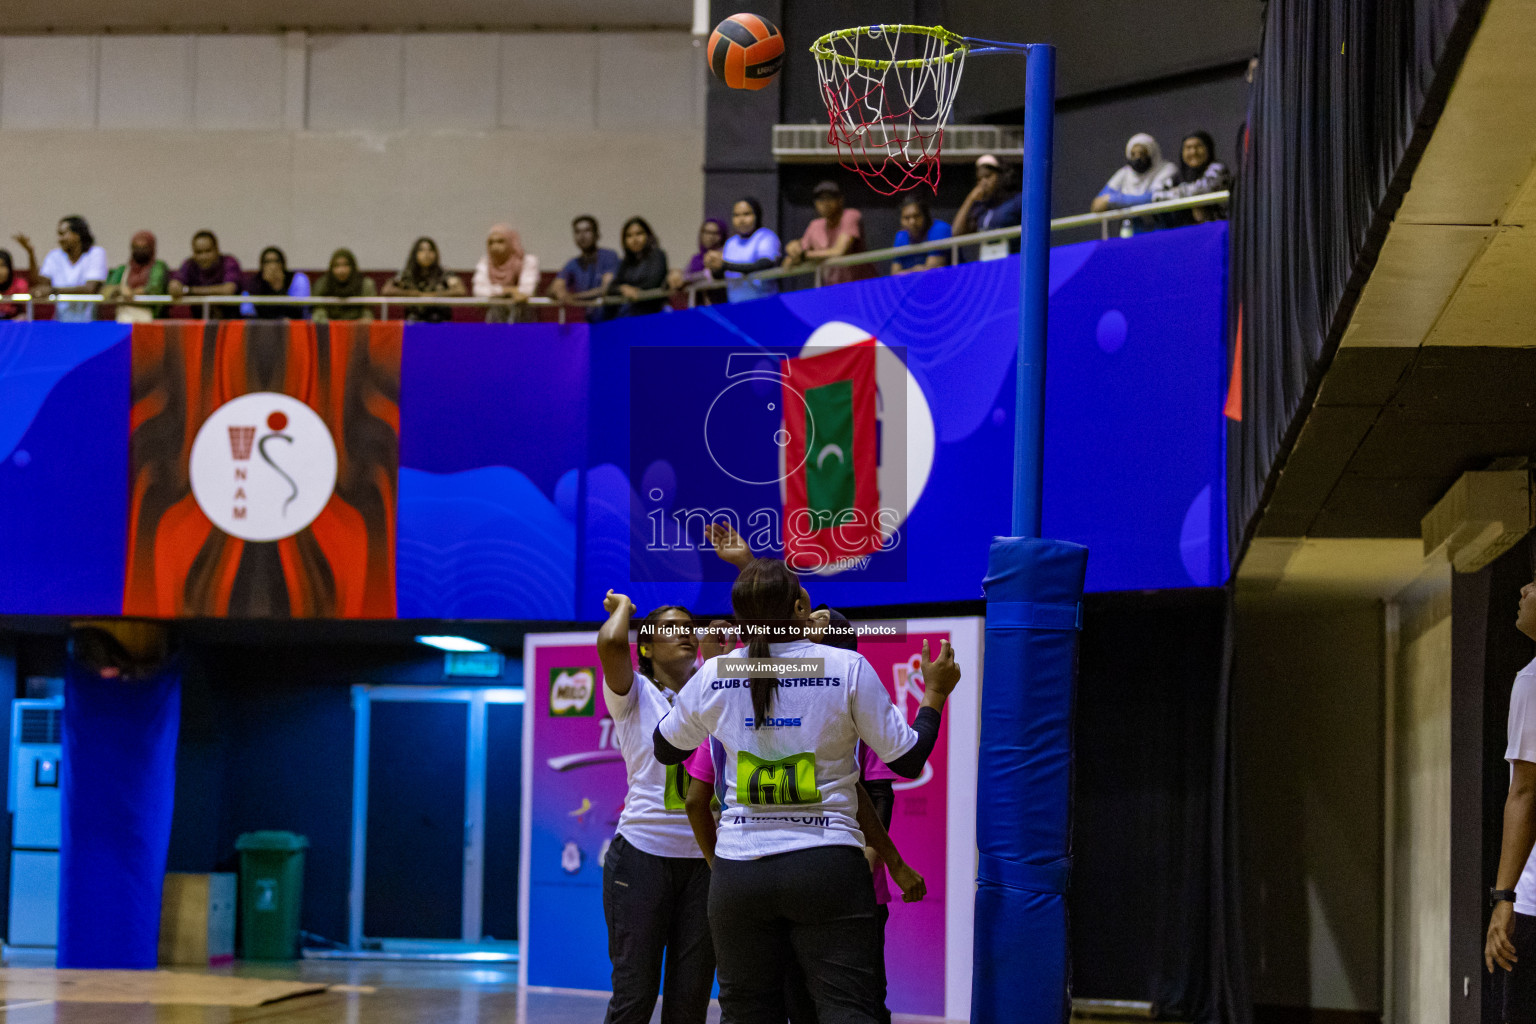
<point x="613" y="602"/>
<point x="1500" y="947"/>
<point x="943" y="675"/>
<point x="912" y="886"/>
<point x="714" y="259"/>
<point x="729" y="544"/>
<point x="717" y="639"/>
<point x="23" y="241"/>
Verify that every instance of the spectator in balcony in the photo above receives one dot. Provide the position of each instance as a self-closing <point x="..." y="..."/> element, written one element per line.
<point x="209" y="272"/>
<point x="711" y="238"/>
<point x="77" y="266"/>
<point x="143" y="274"/>
<point x="918" y="225"/>
<point x="12" y="283"/>
<point x="506" y="271"/>
<point x="1144" y="173"/>
<point x="836" y="231"/>
<point x="423" y="274"/>
<point x="750" y="248"/>
<point x="643" y="268"/>
<point x="344" y="281"/>
<point x="1199" y="174"/>
<point x="588" y="274"/>
<point x="993" y="202"/>
<point x="274" y="278"/>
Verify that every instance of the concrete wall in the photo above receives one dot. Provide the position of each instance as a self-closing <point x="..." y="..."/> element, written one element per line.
<point x="311" y="142"/>
<point x="1309" y="698"/>
<point x="1419" y="985"/>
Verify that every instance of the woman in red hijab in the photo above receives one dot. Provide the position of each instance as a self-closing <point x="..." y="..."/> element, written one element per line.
<point x="505" y="271"/>
<point x="143" y="274"/>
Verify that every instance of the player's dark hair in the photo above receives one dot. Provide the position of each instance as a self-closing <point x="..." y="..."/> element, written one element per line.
<point x="205" y="233"/>
<point x="922" y="207"/>
<point x="763" y="598"/>
<point x="646" y="633"/>
<point x="586" y="218"/>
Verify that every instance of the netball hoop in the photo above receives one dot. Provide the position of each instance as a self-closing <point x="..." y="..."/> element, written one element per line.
<point x="889" y="90"/>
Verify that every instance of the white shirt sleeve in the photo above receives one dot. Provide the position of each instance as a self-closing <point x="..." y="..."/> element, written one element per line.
<point x="480" y="284"/>
<point x="688" y="723"/>
<point x="620" y="706"/>
<point x="876" y="720"/>
<point x="1522" y="720"/>
<point x="528" y="280"/>
<point x="94" y="265"/>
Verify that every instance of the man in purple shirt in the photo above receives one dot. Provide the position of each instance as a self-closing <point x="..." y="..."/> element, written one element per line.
<point x="209" y="272"/>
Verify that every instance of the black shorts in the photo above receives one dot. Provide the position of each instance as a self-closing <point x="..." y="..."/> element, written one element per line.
<point x="1520" y="983"/>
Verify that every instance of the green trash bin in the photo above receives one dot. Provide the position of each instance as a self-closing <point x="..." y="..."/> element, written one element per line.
<point x="271" y="892"/>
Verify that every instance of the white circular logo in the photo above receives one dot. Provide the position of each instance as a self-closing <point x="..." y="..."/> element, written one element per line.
<point x="263" y="466"/>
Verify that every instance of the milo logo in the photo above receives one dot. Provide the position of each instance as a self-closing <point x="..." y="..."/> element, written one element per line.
<point x="572" y="692"/>
<point x="764" y="783"/>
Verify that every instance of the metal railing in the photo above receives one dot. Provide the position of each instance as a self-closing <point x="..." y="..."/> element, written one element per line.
<point x="816" y="270"/>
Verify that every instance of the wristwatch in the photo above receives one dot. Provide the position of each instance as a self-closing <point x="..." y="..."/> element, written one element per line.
<point x="1497" y="896"/>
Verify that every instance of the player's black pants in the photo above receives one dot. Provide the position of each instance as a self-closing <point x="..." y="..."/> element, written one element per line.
<point x="815" y="907"/>
<point x="1520" y="983"/>
<point x="656" y="906"/>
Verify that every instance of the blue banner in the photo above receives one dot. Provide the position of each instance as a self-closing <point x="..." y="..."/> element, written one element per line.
<point x="541" y="464"/>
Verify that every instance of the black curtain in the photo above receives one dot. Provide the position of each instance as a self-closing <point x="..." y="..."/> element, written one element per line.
<point x="1344" y="98"/>
<point x="1154" y="901"/>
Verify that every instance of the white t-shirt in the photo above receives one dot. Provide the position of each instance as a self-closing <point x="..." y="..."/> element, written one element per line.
<point x="762" y="244"/>
<point x="655" y="818"/>
<point x="790" y="784"/>
<point x="1522" y="747"/>
<point x="92" y="266"/>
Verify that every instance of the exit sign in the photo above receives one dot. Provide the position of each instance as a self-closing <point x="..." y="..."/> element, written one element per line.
<point x="476" y="664"/>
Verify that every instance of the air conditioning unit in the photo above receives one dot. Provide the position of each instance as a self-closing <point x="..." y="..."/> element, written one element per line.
<point x="1482" y="516"/>
<point x="807" y="143"/>
<point x="37" y="727"/>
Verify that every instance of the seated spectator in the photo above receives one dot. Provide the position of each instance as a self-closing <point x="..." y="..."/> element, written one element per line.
<point x="209" y="272"/>
<point x="423" y="274"/>
<point x="12" y="283"/>
<point x="1199" y="173"/>
<point x="505" y="271"/>
<point x="992" y="202"/>
<point x="1145" y="172"/>
<point x="344" y="281"/>
<point x="643" y="268"/>
<point x="836" y="231"/>
<point x="918" y="225"/>
<point x="587" y="275"/>
<point x="711" y="237"/>
<point x="143" y="274"/>
<point x="274" y="278"/>
<point x="78" y="266"/>
<point x="750" y="248"/>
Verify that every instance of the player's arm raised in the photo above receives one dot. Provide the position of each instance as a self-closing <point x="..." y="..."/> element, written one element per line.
<point x="613" y="644"/>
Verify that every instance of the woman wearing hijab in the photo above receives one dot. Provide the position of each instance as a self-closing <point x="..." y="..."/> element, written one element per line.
<point x="143" y="274"/>
<point x="344" y="281"/>
<point x="505" y="271"/>
<point x="1145" y="172"/>
<point x="423" y="274"/>
<point x="711" y="237"/>
<point x="643" y="268"/>
<point x="1199" y="173"/>
<point x="12" y="283"/>
<point x="274" y="278"/>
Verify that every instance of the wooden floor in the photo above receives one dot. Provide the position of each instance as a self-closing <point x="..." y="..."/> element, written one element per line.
<point x="371" y="993"/>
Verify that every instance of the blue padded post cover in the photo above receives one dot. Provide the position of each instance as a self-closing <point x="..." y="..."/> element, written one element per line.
<point x="1034" y="593"/>
<point x="118" y="779"/>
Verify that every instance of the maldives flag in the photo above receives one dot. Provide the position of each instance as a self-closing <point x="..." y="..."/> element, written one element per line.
<point x="831" y="457"/>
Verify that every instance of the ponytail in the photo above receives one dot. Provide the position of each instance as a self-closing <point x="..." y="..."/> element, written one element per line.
<point x="763" y="598"/>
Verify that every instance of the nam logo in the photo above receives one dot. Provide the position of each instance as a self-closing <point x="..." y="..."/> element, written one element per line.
<point x="571" y="692"/>
<point x="764" y="783"/>
<point x="263" y="466"/>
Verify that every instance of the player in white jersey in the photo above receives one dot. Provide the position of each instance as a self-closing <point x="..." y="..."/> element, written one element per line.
<point x="790" y="878"/>
<point x="655" y="881"/>
<point x="1511" y="943"/>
